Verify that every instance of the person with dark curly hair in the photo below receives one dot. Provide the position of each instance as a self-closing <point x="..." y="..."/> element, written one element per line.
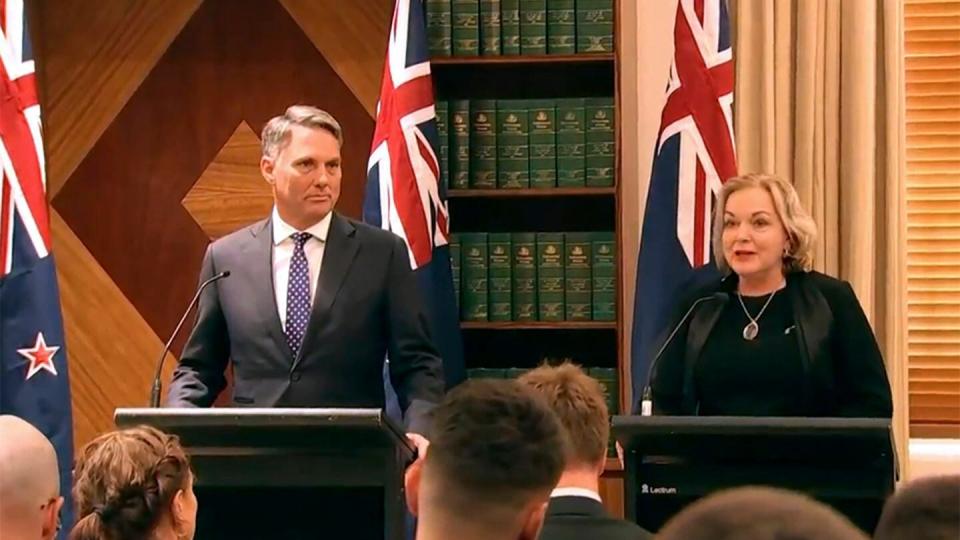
<point x="133" y="484"/>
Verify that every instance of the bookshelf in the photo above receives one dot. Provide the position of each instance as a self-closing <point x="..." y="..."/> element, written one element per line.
<point x="509" y="345"/>
<point x="538" y="325"/>
<point x="538" y="60"/>
<point x="531" y="192"/>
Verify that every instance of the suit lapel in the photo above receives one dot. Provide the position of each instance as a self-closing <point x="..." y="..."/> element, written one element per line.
<point x="813" y="319"/>
<point x="338" y="254"/>
<point x="261" y="268"/>
<point x="701" y="324"/>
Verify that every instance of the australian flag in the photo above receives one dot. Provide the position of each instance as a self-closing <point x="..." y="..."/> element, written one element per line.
<point x="33" y="355"/>
<point x="403" y="192"/>
<point x="693" y="157"/>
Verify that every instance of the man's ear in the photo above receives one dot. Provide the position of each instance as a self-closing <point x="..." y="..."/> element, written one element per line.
<point x="52" y="518"/>
<point x="602" y="466"/>
<point x="411" y="484"/>
<point x="266" y="168"/>
<point x="176" y="506"/>
<point x="533" y="518"/>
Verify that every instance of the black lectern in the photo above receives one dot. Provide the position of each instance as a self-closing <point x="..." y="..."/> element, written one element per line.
<point x="290" y="473"/>
<point x="670" y="461"/>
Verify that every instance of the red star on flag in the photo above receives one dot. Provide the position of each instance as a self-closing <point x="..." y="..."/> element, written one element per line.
<point x="40" y="357"/>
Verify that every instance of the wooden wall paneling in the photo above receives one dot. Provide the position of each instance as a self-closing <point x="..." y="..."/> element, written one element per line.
<point x="90" y="60"/>
<point x="353" y="40"/>
<point x="111" y="350"/>
<point x="216" y="74"/>
<point x="611" y="492"/>
<point x="231" y="192"/>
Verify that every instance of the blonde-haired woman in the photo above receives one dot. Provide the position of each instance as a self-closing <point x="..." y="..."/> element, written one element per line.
<point x="134" y="484"/>
<point x="782" y="339"/>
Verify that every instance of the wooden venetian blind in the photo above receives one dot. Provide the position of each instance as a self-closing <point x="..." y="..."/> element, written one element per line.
<point x="932" y="45"/>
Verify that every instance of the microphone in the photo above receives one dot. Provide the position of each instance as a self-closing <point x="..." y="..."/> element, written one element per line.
<point x="646" y="406"/>
<point x="155" y="391"/>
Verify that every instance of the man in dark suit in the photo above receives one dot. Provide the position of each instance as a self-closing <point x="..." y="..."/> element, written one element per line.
<point x="575" y="510"/>
<point x="314" y="301"/>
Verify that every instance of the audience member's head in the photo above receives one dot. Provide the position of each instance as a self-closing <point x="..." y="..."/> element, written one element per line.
<point x="757" y="513"/>
<point x="496" y="453"/>
<point x="132" y="484"/>
<point x="925" y="509"/>
<point x="578" y="401"/>
<point x="30" y="498"/>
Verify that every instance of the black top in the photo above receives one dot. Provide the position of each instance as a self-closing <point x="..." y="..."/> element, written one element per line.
<point x="582" y="518"/>
<point x="842" y="371"/>
<point x="740" y="377"/>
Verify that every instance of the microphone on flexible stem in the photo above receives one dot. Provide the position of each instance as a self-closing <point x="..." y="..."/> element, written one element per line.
<point x="646" y="405"/>
<point x="155" y="391"/>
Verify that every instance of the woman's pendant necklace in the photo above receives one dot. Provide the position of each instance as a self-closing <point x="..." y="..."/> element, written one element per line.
<point x="752" y="329"/>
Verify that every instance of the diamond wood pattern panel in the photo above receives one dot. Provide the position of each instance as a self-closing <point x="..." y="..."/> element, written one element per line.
<point x="215" y="75"/>
<point x="90" y="60"/>
<point x="231" y="192"/>
<point x="151" y="108"/>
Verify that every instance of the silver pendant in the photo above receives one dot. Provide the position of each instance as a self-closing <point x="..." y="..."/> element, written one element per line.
<point x="751" y="330"/>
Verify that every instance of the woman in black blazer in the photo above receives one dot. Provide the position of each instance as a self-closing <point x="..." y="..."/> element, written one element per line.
<point x="779" y="339"/>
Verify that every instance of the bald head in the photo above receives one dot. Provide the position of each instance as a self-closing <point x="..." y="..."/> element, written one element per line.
<point x="29" y="478"/>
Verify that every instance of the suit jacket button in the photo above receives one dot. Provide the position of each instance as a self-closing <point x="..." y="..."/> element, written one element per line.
<point x="295" y="376"/>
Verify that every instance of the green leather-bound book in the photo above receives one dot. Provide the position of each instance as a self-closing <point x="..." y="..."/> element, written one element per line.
<point x="561" y="26"/>
<point x="571" y="143"/>
<point x="533" y="27"/>
<point x="439" y="37"/>
<point x="455" y="265"/>
<point x="600" y="141"/>
<point x="604" y="276"/>
<point x="542" y="117"/>
<point x="501" y="283"/>
<point x="524" y="247"/>
<point x="577" y="279"/>
<point x="473" y="281"/>
<point x="465" y="27"/>
<point x="483" y="144"/>
<point x="460" y="144"/>
<point x="594" y="26"/>
<point x="513" y="161"/>
<point x="550" y="269"/>
<point x="443" y="133"/>
<point x="490" y="27"/>
<point x="510" y="27"/>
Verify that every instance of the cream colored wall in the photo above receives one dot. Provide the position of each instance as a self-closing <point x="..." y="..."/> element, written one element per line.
<point x="645" y="53"/>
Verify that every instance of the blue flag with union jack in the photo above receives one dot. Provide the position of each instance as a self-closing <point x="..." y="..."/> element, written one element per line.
<point x="33" y="355"/>
<point x="403" y="194"/>
<point x="694" y="155"/>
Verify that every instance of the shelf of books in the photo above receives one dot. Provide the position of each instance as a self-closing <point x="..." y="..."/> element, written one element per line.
<point x="527" y="107"/>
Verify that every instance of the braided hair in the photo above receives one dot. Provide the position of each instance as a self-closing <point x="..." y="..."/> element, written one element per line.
<point x="125" y="482"/>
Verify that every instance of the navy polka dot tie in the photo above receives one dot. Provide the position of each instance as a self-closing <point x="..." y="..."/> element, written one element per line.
<point x="298" y="293"/>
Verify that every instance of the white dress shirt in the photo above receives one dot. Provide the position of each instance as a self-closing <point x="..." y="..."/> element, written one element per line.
<point x="283" y="251"/>
<point x="575" y="492"/>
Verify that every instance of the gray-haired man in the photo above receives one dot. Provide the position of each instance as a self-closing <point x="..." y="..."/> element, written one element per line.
<point x="315" y="300"/>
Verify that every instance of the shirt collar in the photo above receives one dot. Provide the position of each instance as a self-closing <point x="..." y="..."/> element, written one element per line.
<point x="575" y="492"/>
<point x="282" y="230"/>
